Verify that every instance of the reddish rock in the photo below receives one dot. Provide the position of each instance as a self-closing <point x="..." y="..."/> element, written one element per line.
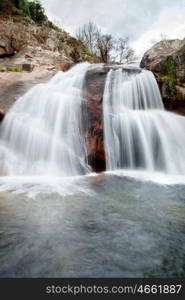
<point x="2" y="50"/>
<point x="64" y="67"/>
<point x="93" y="118"/>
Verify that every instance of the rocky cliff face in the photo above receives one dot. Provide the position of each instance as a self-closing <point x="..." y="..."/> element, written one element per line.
<point x="34" y="52"/>
<point x="166" y="60"/>
<point x="19" y="38"/>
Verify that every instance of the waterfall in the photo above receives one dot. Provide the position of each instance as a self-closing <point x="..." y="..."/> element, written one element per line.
<point x="41" y="135"/>
<point x="138" y="132"/>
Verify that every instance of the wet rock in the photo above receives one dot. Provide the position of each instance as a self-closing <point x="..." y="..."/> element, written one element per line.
<point x="93" y="118"/>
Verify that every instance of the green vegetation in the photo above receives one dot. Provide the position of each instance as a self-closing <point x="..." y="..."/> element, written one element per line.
<point x="22" y="6"/>
<point x="37" y="13"/>
<point x="55" y="27"/>
<point x="29" y="12"/>
<point x="170" y="67"/>
<point x="30" y="9"/>
<point x="170" y="76"/>
<point x="11" y="69"/>
<point x="15" y="69"/>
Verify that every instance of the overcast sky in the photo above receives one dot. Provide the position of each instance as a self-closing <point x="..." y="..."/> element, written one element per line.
<point x="142" y="20"/>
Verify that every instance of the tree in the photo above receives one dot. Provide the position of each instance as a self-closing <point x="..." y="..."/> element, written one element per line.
<point x="164" y="36"/>
<point x="105" y="44"/>
<point x="123" y="50"/>
<point x="129" y="55"/>
<point x="120" y="48"/>
<point x="95" y="42"/>
<point x="88" y="35"/>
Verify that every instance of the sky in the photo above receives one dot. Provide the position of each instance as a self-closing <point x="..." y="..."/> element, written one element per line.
<point x="143" y="21"/>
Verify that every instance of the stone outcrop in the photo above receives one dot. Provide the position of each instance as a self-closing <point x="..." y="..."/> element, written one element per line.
<point x="166" y="60"/>
<point x="15" y="38"/>
<point x="29" y="48"/>
<point x="30" y="58"/>
<point x="93" y="117"/>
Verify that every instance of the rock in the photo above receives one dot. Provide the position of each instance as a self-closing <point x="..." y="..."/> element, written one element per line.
<point x="27" y="67"/>
<point x="2" y="115"/>
<point x="154" y="58"/>
<point x="93" y="111"/>
<point x="18" y="36"/>
<point x="5" y="43"/>
<point x="2" y="50"/>
<point x="37" y="57"/>
<point x="166" y="60"/>
<point x="64" y="67"/>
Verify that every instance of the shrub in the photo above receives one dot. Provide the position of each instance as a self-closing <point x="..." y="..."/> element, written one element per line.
<point x="37" y="13"/>
<point x="2" y="69"/>
<point x="170" y="77"/>
<point x="15" y="69"/>
<point x="33" y="9"/>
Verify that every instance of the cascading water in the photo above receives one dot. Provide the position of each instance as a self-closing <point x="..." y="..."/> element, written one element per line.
<point x="96" y="225"/>
<point x="138" y="132"/>
<point x="41" y="135"/>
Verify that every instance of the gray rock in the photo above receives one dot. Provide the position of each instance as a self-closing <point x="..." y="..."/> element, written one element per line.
<point x="166" y="60"/>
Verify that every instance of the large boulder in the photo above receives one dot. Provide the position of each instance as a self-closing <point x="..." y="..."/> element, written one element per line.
<point x="166" y="60"/>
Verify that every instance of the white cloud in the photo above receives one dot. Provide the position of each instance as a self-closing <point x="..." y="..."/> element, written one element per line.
<point x="141" y="20"/>
<point x="171" y="22"/>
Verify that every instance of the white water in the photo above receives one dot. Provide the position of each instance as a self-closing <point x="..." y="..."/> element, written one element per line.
<point x="138" y="132"/>
<point x="41" y="135"/>
<point x="95" y="225"/>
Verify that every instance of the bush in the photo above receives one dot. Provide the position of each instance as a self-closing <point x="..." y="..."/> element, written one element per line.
<point x="32" y="9"/>
<point x="15" y="69"/>
<point x="2" y="69"/>
<point x="36" y="12"/>
<point x="170" y="76"/>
